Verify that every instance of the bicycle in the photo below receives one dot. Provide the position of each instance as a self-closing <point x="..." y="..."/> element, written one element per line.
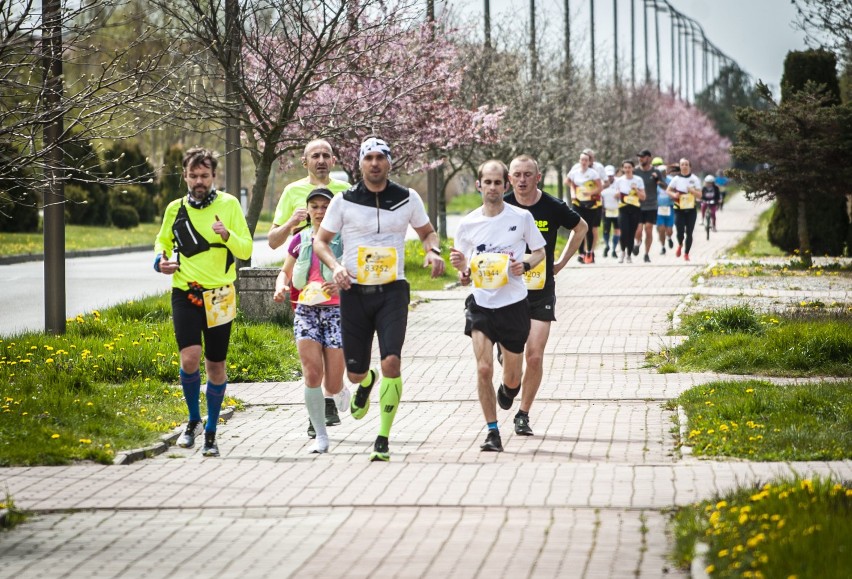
<point x="708" y="217"/>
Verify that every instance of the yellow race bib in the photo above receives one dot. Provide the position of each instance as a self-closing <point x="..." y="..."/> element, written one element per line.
<point x="220" y="305"/>
<point x="584" y="191"/>
<point x="687" y="201"/>
<point x="612" y="213"/>
<point x="313" y="294"/>
<point x="490" y="270"/>
<point x="534" y="279"/>
<point x="632" y="198"/>
<point x="376" y="265"/>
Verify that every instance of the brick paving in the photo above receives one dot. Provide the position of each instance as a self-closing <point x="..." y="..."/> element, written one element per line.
<point x="585" y="497"/>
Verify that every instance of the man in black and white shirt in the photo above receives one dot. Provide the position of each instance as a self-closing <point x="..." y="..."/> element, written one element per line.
<point x="372" y="218"/>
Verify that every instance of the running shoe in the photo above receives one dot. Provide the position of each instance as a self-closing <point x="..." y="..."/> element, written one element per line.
<point x="187" y="439"/>
<point x="503" y="397"/>
<point x="647" y="258"/>
<point x="629" y="258"/>
<point x="614" y="254"/>
<point x="331" y="416"/>
<point x="636" y="250"/>
<point x="360" y="403"/>
<point x="581" y="257"/>
<point x="342" y="399"/>
<point x="685" y="257"/>
<point x="492" y="442"/>
<point x="522" y="425"/>
<point x="311" y="432"/>
<point x="678" y="251"/>
<point x="320" y="446"/>
<point x="587" y="258"/>
<point x="621" y="258"/>
<point x="592" y="257"/>
<point x="671" y="243"/>
<point x="663" y="250"/>
<point x="210" y="447"/>
<point x="380" y="450"/>
<point x="606" y="251"/>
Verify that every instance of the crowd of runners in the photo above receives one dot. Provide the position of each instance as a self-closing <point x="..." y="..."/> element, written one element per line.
<point x="344" y="273"/>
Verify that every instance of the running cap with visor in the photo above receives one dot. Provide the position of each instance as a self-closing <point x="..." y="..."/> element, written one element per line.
<point x="374" y="145"/>
<point x="644" y="153"/>
<point x="657" y="161"/>
<point x="709" y="179"/>
<point x="609" y="170"/>
<point x="320" y="192"/>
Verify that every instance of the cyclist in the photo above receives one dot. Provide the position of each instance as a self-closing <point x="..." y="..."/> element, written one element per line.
<point x="711" y="197"/>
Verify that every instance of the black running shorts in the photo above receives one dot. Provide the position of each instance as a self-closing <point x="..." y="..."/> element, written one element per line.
<point x="648" y="216"/>
<point x="190" y="322"/>
<point x="542" y="306"/>
<point x="509" y="326"/>
<point x="373" y="309"/>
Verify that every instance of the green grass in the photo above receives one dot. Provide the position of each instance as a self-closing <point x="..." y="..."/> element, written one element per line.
<point x="815" y="342"/>
<point x="110" y="383"/>
<point x="13" y="516"/>
<point x="794" y="527"/>
<point x="758" y="420"/>
<point x="85" y="237"/>
<point x="419" y="277"/>
<point x="756" y="242"/>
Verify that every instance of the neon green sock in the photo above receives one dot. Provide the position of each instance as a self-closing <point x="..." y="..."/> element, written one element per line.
<point x="389" y="395"/>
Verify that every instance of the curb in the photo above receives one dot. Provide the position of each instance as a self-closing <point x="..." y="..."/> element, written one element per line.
<point x="685" y="449"/>
<point x="13" y="259"/>
<point x="158" y="448"/>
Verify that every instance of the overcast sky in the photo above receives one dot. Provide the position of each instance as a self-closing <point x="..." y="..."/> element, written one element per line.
<point x="757" y="34"/>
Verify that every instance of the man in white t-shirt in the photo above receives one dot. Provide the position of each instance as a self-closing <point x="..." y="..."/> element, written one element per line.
<point x="491" y="243"/>
<point x="372" y="218"/>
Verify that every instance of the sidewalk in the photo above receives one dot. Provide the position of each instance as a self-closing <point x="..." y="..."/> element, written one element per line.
<point x="584" y="497"/>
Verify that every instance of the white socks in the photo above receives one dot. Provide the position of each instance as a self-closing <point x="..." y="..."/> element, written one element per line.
<point x="315" y="403"/>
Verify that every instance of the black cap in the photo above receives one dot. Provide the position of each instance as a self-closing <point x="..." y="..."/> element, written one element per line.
<point x="320" y="192"/>
<point x="644" y="153"/>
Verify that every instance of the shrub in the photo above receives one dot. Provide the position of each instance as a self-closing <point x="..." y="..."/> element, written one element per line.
<point x="138" y="198"/>
<point x="18" y="212"/>
<point x="828" y="226"/>
<point x="171" y="177"/>
<point x="124" y="216"/>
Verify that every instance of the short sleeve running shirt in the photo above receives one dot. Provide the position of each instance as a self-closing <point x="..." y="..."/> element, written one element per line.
<point x="549" y="214"/>
<point x="651" y="178"/>
<point x="609" y="196"/>
<point x="509" y="233"/>
<point x="367" y="219"/>
<point x="682" y="184"/>
<point x="628" y="190"/>
<point x="583" y="180"/>
<point x="294" y="196"/>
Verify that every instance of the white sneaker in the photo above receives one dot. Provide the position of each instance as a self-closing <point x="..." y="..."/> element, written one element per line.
<point x="342" y="398"/>
<point x="187" y="439"/>
<point x="320" y="446"/>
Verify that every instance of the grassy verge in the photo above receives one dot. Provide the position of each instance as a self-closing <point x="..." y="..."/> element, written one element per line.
<point x="85" y="237"/>
<point x="737" y="340"/>
<point x="756" y="242"/>
<point x="757" y="420"/>
<point x="788" y="528"/>
<point x="110" y="383"/>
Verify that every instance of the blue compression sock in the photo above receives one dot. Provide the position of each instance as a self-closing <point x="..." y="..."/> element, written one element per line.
<point x="191" y="384"/>
<point x="492" y="425"/>
<point x="215" y="397"/>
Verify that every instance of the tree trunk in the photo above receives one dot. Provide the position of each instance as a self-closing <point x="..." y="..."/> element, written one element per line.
<point x="262" y="170"/>
<point x="802" y="227"/>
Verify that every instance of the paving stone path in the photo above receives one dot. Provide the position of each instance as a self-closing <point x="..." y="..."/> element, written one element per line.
<point x="585" y="497"/>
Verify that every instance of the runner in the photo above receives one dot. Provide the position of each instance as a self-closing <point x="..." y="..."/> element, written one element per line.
<point x="206" y="229"/>
<point x="684" y="189"/>
<point x="316" y="319"/>
<point x="585" y="184"/>
<point x="609" y="198"/>
<point x="665" y="208"/>
<point x="372" y="218"/>
<point x="631" y="191"/>
<point x="491" y="243"/>
<point x="550" y="214"/>
<point x="652" y="178"/>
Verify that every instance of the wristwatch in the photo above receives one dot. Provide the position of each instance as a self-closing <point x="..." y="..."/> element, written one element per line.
<point x="435" y="250"/>
<point x="527" y="266"/>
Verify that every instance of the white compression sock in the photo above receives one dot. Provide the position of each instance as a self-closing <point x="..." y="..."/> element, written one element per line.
<point x="315" y="403"/>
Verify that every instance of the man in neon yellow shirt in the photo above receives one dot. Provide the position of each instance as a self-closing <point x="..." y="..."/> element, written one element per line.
<point x="290" y="213"/>
<point x="206" y="230"/>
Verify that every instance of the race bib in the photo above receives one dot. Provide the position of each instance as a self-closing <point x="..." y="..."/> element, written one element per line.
<point x="490" y="270"/>
<point x="313" y="294"/>
<point x="665" y="211"/>
<point x="376" y="265"/>
<point x="584" y="191"/>
<point x="534" y="278"/>
<point x="632" y="198"/>
<point x="612" y="212"/>
<point x="687" y="201"/>
<point x="220" y="305"/>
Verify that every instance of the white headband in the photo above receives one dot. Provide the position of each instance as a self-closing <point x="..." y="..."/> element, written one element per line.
<point x="374" y="145"/>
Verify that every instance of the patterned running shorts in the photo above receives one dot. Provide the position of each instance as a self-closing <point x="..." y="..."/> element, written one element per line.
<point x="318" y="323"/>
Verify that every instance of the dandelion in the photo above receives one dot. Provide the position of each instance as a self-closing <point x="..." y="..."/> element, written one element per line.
<point x="709" y="569"/>
<point x="85" y="441"/>
<point x="723" y="553"/>
<point x="49" y="361"/>
<point x="54" y="436"/>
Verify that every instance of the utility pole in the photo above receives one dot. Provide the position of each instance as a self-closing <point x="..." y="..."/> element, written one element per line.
<point x="432" y="177"/>
<point x="633" y="42"/>
<point x="657" y="33"/>
<point x="533" y="51"/>
<point x="645" y="26"/>
<point x="488" y="23"/>
<point x="615" y="39"/>
<point x="592" y="17"/>
<point x="54" y="190"/>
<point x="567" y="38"/>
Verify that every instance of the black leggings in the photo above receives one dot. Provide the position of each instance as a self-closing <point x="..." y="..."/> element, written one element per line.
<point x="685" y="223"/>
<point x="628" y="220"/>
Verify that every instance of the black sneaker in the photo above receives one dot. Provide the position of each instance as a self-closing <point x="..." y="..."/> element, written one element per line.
<point x="647" y="258"/>
<point x="663" y="250"/>
<point x="492" y="442"/>
<point x="522" y="425"/>
<point x="311" y="432"/>
<point x="581" y="257"/>
<point x="210" y="447"/>
<point x="635" y="250"/>
<point x="187" y="439"/>
<point x="504" y="399"/>
<point x="606" y="251"/>
<point x="671" y="243"/>
<point x="380" y="450"/>
<point x="332" y="418"/>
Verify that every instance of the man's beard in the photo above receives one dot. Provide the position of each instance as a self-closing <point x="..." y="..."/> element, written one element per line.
<point x="199" y="193"/>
